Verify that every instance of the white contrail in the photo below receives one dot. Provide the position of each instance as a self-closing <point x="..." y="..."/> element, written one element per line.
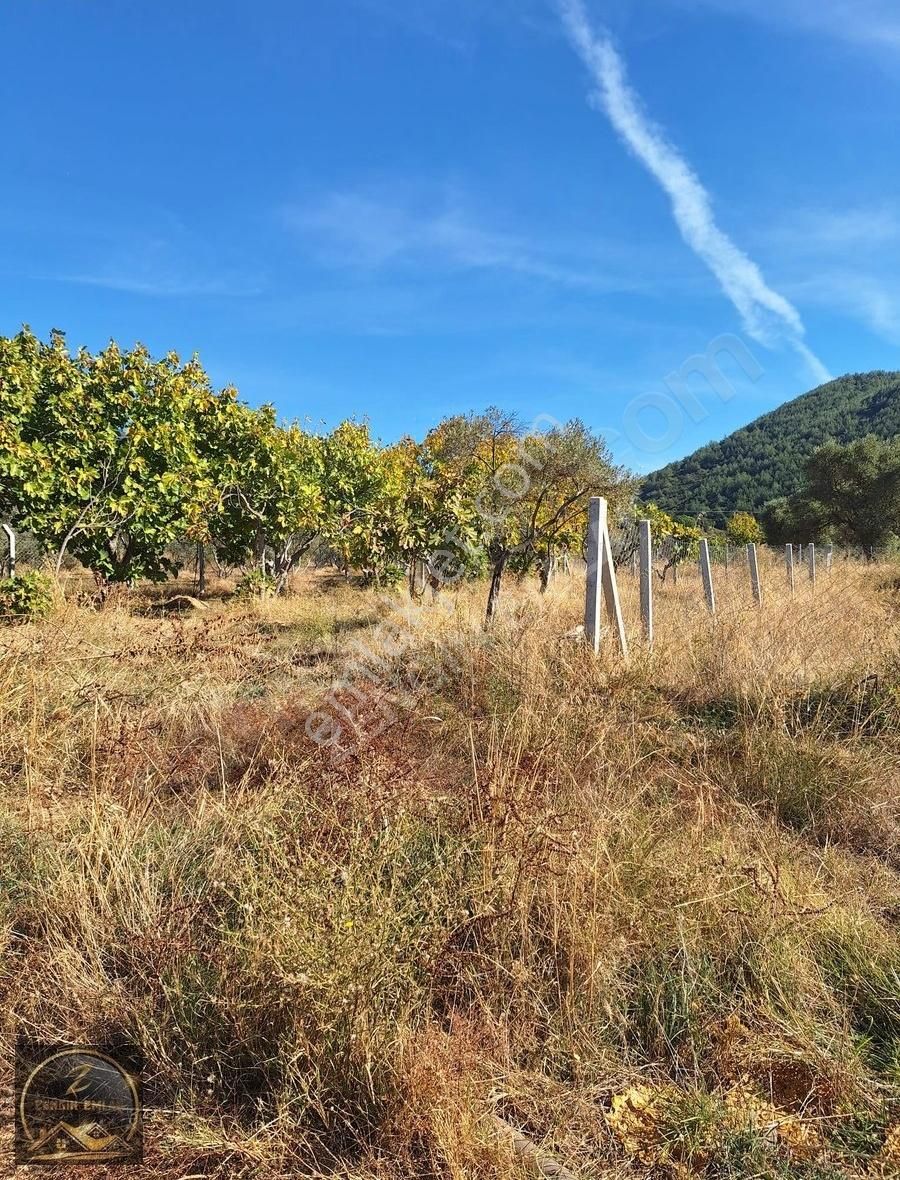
<point x="766" y="315"/>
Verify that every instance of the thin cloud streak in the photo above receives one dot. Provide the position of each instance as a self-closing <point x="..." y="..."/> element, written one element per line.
<point x="874" y="23"/>
<point x="371" y="233"/>
<point x="849" y="232"/>
<point x="163" y="286"/>
<point x="767" y="316"/>
<point x="845" y="260"/>
<point x="866" y="298"/>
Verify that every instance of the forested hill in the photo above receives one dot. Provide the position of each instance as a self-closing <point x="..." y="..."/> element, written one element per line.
<point x="763" y="461"/>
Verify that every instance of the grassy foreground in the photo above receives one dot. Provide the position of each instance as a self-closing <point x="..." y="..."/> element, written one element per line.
<point x="648" y="915"/>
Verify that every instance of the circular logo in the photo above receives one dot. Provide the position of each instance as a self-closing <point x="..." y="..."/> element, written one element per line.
<point x="79" y="1104"/>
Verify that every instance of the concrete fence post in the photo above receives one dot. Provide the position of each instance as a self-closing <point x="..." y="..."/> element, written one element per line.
<point x="829" y="558"/>
<point x="753" y="562"/>
<point x="706" y="571"/>
<point x="11" y="541"/>
<point x="596" y="529"/>
<point x="811" y="555"/>
<point x="789" y="565"/>
<point x="647" y="580"/>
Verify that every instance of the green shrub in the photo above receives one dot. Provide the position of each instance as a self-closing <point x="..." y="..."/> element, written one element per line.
<point x="28" y="596"/>
<point x="256" y="584"/>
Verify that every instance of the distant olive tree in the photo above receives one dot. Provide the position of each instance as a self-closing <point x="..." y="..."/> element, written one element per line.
<point x="858" y="487"/>
<point x="531" y="487"/>
<point x="851" y="492"/>
<point x="681" y="540"/>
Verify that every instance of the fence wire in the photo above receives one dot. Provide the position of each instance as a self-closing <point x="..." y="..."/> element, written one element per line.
<point x="624" y="539"/>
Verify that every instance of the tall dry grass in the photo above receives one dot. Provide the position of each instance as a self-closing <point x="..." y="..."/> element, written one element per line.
<point x="645" y="913"/>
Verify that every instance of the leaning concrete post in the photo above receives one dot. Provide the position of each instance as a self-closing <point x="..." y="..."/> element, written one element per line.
<point x="647" y="580"/>
<point x="596" y="529"/>
<point x="706" y="571"/>
<point x="727" y="557"/>
<point x="811" y="553"/>
<point x="601" y="579"/>
<point x="11" y="539"/>
<point x="611" y="591"/>
<point x="754" y="573"/>
<point x="789" y="565"/>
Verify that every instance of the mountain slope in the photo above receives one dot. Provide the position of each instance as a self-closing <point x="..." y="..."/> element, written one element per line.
<point x="763" y="460"/>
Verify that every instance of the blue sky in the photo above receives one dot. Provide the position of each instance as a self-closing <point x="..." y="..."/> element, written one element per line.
<point x="403" y="209"/>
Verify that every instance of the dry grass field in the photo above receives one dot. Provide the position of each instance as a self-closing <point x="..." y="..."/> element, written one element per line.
<point x="648" y="914"/>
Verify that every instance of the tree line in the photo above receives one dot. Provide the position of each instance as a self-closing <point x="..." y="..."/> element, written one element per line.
<point x="113" y="457"/>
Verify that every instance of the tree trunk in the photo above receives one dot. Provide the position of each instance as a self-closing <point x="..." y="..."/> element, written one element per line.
<point x="545" y="573"/>
<point x="494" y="592"/>
<point x="11" y="549"/>
<point x="435" y="583"/>
<point x="418" y="580"/>
<point x="201" y="568"/>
